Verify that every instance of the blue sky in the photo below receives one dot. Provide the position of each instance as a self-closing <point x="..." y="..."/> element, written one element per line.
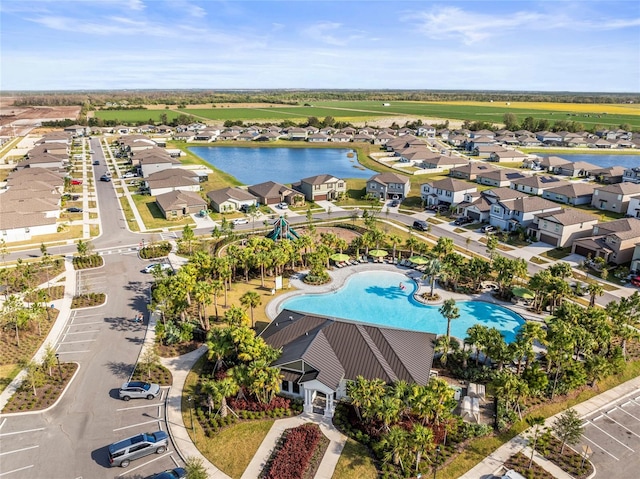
<point x="235" y="44"/>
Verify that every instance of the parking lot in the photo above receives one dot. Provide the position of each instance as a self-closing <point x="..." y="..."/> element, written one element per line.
<point x="613" y="436"/>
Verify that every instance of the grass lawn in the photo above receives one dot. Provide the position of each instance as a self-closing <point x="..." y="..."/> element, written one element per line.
<point x="152" y="216"/>
<point x="537" y="260"/>
<point x="355" y="462"/>
<point x="127" y="211"/>
<point x="557" y="253"/>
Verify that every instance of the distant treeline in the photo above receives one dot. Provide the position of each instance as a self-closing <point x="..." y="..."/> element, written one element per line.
<point x="297" y="97"/>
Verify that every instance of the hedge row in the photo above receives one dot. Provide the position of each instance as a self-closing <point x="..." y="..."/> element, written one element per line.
<point x="84" y="262"/>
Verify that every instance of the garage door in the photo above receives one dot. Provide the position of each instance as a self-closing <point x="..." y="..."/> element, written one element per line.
<point x="552" y="240"/>
<point x="582" y="251"/>
<point x="474" y="215"/>
<point x="320" y="197"/>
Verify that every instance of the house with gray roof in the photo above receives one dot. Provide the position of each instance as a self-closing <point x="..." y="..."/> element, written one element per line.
<point x="388" y="186"/>
<point x="615" y="241"/>
<point x="510" y="215"/>
<point x="230" y="199"/>
<point x="271" y="193"/>
<point x="477" y="205"/>
<point x="498" y="177"/>
<point x="470" y="171"/>
<point x="576" y="168"/>
<point x="572" y="194"/>
<point x="321" y="187"/>
<point x="536" y="184"/>
<point x="561" y="228"/>
<point x="442" y="162"/>
<point x="320" y="356"/>
<point x="172" y="179"/>
<point x="609" y="175"/>
<point x="615" y="197"/>
<point x="447" y="191"/>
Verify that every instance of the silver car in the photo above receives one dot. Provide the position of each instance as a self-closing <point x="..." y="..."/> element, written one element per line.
<point x="123" y="452"/>
<point x="138" y="390"/>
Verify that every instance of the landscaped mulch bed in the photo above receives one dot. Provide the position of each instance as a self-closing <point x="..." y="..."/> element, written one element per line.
<point x="569" y="461"/>
<point x="88" y="300"/>
<point x="520" y="463"/>
<point x="173" y="350"/>
<point x="30" y="340"/>
<point x="51" y="294"/>
<point x="47" y="394"/>
<point x="86" y="262"/>
<point x="157" y="374"/>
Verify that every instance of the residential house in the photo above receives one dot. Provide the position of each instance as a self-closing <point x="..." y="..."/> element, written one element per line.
<point x="536" y="184"/>
<point x="572" y="194"/>
<point x="510" y="215"/>
<point x="615" y="197"/>
<point x="561" y="228"/>
<point x="610" y="175"/>
<point x="43" y="160"/>
<point x="498" y="177"/>
<point x="426" y="130"/>
<point x="635" y="260"/>
<point x="388" y="186"/>
<point x="176" y="204"/>
<point x="633" y="210"/>
<point x="528" y="141"/>
<point x="578" y="169"/>
<point x="470" y="171"/>
<point x="615" y="241"/>
<point x="152" y="163"/>
<point x="75" y="130"/>
<point x="297" y="134"/>
<point x="477" y="205"/>
<point x="446" y="191"/>
<point x="631" y="175"/>
<point x="320" y="356"/>
<point x="321" y="187"/>
<point x="442" y="162"/>
<point x="318" y="138"/>
<point x="230" y="199"/>
<point x="173" y="179"/>
<point x="341" y="138"/>
<point x="549" y="138"/>
<point x="188" y="136"/>
<point x="485" y="150"/>
<point x="24" y="226"/>
<point x="506" y="156"/>
<point x="383" y="138"/>
<point x="552" y="163"/>
<point x="271" y="193"/>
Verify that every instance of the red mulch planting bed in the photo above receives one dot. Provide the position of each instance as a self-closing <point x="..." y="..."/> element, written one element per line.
<point x="47" y="394"/>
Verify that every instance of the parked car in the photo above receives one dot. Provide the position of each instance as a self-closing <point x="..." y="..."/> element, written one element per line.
<point x="395" y="203"/>
<point x="96" y="162"/>
<point x="240" y="221"/>
<point x="130" y="174"/>
<point x="420" y="225"/>
<point x="488" y="229"/>
<point x="74" y="209"/>
<point x="635" y="281"/>
<point x="138" y="390"/>
<point x="91" y="152"/>
<point x="121" y="453"/>
<point x="151" y="267"/>
<point x="105" y="178"/>
<point x="76" y="182"/>
<point x="177" y="473"/>
<point x="283" y="206"/>
<point x="463" y="220"/>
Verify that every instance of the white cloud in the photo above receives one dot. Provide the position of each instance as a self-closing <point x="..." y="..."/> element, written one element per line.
<point x="332" y="33"/>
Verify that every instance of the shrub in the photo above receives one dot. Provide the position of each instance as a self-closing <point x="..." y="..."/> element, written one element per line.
<point x="293" y="458"/>
<point x="155" y="250"/>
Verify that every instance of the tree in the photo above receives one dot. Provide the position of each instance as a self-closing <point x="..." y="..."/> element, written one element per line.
<point x="188" y="236"/>
<point x="149" y="359"/>
<point x="594" y="289"/>
<point x="443" y="247"/>
<point x="251" y="300"/>
<point x="34" y="376"/>
<point x="492" y="245"/>
<point x="510" y="121"/>
<point x="431" y="270"/>
<point x="195" y="468"/>
<point x="393" y="446"/>
<point x="235" y="316"/>
<point x="83" y="248"/>
<point x="535" y="422"/>
<point x="421" y="441"/>
<point x="568" y="428"/>
<point x="450" y="312"/>
<point x="49" y="359"/>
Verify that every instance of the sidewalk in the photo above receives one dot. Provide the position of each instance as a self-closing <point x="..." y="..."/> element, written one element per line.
<point x="496" y="459"/>
<point x="64" y="307"/>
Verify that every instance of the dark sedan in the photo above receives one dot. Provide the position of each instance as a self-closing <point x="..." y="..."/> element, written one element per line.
<point x="74" y="209"/>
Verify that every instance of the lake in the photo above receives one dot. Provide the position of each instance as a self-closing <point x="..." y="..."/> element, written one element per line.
<point x="283" y="165"/>
<point x="604" y="161"/>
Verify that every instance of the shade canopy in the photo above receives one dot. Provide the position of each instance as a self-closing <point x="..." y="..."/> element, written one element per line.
<point x="418" y="260"/>
<point x="339" y="257"/>
<point x="523" y="293"/>
<point x="378" y="253"/>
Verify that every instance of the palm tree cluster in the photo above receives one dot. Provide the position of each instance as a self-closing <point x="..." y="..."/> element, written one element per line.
<point x="241" y="366"/>
<point x="404" y="421"/>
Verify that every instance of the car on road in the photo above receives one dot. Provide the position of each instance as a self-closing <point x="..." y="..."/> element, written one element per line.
<point x="150" y="268"/>
<point x="177" y="473"/>
<point x="91" y="152"/>
<point x="420" y="225"/>
<point x="488" y="229"/>
<point x="74" y="209"/>
<point x="96" y="162"/>
<point x="138" y="390"/>
<point x="283" y="206"/>
<point x="463" y="220"/>
<point x="105" y="178"/>
<point x="240" y="221"/>
<point x="121" y="453"/>
<point x="130" y="174"/>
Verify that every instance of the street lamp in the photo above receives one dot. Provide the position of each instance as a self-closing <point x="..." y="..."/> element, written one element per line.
<point x="59" y="369"/>
<point x="190" y="399"/>
<point x="435" y="463"/>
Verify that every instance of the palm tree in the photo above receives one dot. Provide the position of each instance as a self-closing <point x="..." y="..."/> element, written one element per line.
<point x="421" y="441"/>
<point x="443" y="247"/>
<point x="388" y="410"/>
<point x="411" y="243"/>
<point x="251" y="300"/>
<point x="394" y="446"/>
<point x="202" y="292"/>
<point x="225" y="388"/>
<point x="595" y="289"/>
<point x="235" y="316"/>
<point x="395" y="240"/>
<point x="431" y="270"/>
<point x="450" y="312"/>
<point x="476" y="335"/>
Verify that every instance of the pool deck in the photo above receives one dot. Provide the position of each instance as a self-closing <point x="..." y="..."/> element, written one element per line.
<point x="339" y="277"/>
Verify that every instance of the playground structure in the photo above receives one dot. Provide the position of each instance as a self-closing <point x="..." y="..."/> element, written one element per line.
<point x="282" y="230"/>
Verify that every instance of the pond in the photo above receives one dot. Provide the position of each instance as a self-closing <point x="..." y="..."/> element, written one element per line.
<point x="283" y="165"/>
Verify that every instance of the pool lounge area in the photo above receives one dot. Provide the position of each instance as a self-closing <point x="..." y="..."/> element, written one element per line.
<point x="388" y="300"/>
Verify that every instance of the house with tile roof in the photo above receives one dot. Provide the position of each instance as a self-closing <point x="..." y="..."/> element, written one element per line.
<point x="536" y="184"/>
<point x="272" y="193"/>
<point x="470" y="171"/>
<point x="442" y="162"/>
<point x="506" y="156"/>
<point x="609" y="175"/>
<point x="477" y="205"/>
<point x="512" y="214"/>
<point x="615" y="241"/>
<point x="321" y="355"/>
<point x="176" y="204"/>
<point x="580" y="169"/>
<point x="572" y="194"/>
<point x="447" y="191"/>
<point x="321" y="187"/>
<point x="498" y="177"/>
<point x="615" y="197"/>
<point x="388" y="186"/>
<point x="561" y="228"/>
<point x="172" y="179"/>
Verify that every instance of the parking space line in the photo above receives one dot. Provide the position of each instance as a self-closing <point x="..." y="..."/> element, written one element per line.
<point x="72" y="352"/>
<point x="3" y="422"/>
<point x="620" y="442"/>
<point x="153" y="404"/>
<point x="18" y="450"/>
<point x="21" y="432"/>
<point x="139" y="424"/>
<point x="599" y="447"/>
<point x="84" y="324"/>
<point x="84" y="332"/>
<point x="146" y="463"/>
<point x="73" y="342"/>
<point x="628" y="413"/>
<point x="16" y="470"/>
<point x="623" y="427"/>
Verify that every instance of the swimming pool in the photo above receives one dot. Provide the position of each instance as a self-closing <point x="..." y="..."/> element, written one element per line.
<point x="376" y="297"/>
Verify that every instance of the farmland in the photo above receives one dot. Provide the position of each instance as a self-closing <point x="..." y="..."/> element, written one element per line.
<point x="590" y="115"/>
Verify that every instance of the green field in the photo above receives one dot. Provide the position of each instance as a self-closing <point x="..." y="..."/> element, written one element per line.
<point x="359" y="111"/>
